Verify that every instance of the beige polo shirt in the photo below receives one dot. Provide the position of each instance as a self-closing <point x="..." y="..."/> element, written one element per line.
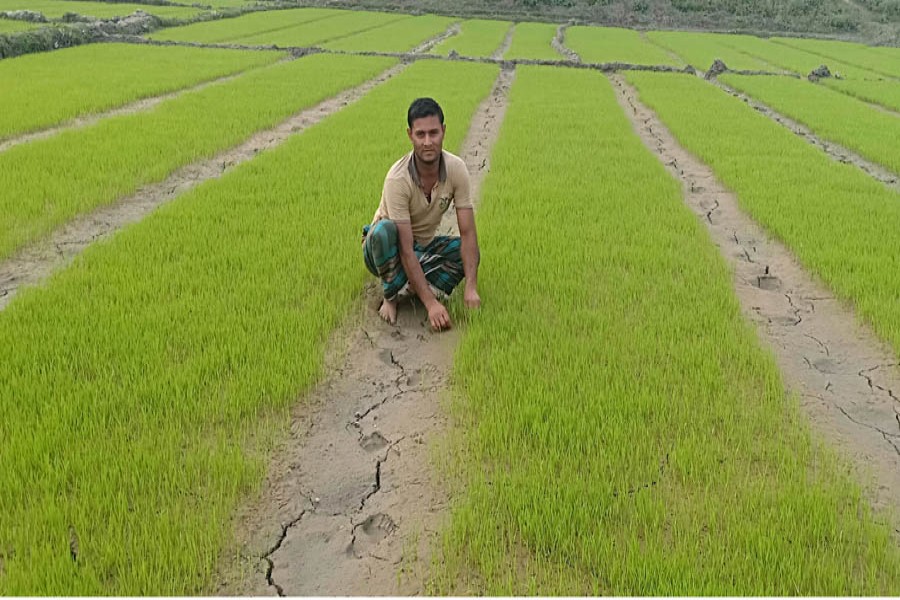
<point x="402" y="199"/>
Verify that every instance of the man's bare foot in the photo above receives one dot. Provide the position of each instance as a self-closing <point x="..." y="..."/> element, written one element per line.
<point x="388" y="311"/>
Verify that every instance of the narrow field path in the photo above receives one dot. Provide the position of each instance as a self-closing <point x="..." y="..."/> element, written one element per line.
<point x="350" y="505"/>
<point x="835" y="151"/>
<point x="501" y="51"/>
<point x="559" y="44"/>
<point x="847" y="380"/>
<point x="128" y="109"/>
<point x="36" y="262"/>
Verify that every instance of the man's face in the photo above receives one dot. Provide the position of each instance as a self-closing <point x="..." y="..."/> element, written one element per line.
<point x="427" y="137"/>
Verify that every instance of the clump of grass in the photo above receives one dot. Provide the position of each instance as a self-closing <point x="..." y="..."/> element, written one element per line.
<point x="478" y="37"/>
<point x="614" y="44"/>
<point x="532" y="41"/>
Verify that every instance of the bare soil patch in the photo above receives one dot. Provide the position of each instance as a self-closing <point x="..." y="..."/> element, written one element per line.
<point x="835" y="151"/>
<point x="559" y="44"/>
<point x="846" y="378"/>
<point x="351" y="505"/>
<point x="504" y="46"/>
<point x="35" y="263"/>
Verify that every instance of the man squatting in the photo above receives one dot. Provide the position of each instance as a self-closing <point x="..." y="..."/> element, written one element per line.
<point x="400" y="247"/>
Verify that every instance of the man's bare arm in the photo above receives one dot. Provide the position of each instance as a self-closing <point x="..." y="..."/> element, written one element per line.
<point x="437" y="313"/>
<point x="471" y="255"/>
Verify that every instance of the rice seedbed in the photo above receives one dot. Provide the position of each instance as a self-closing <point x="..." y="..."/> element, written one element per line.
<point x="532" y="41"/>
<point x="397" y="36"/>
<point x="886" y="93"/>
<point x="700" y="50"/>
<point x="42" y="90"/>
<point x="47" y="182"/>
<point x="13" y="26"/>
<point x="478" y="37"/>
<point x="793" y="59"/>
<point x="842" y="225"/>
<point x="233" y="30"/>
<point x="55" y="9"/>
<point x="619" y="429"/>
<point x="828" y="113"/>
<point x="858" y="55"/>
<point x="613" y="44"/>
<point x="145" y="383"/>
<point x="311" y="34"/>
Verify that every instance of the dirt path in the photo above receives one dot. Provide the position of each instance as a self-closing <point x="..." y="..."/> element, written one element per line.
<point x="351" y="505"/>
<point x="835" y="151"/>
<point x="38" y="261"/>
<point x="129" y="109"/>
<point x="504" y="46"/>
<point x="848" y="380"/>
<point x="559" y="44"/>
<point x="452" y="30"/>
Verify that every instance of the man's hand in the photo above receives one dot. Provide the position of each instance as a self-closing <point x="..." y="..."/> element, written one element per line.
<point x="439" y="317"/>
<point x="471" y="297"/>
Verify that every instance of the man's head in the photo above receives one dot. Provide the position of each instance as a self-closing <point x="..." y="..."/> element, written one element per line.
<point x="426" y="129"/>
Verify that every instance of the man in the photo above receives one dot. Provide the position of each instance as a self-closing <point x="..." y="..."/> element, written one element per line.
<point x="400" y="246"/>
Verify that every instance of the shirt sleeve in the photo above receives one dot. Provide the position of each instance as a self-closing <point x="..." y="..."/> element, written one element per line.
<point x="462" y="197"/>
<point x="396" y="199"/>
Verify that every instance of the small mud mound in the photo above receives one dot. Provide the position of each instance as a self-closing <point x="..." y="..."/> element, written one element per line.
<point x="24" y="15"/>
<point x="717" y="68"/>
<point x="820" y="72"/>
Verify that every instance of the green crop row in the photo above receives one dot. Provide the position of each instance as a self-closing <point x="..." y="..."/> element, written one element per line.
<point x="700" y="50"/>
<point x="47" y="182"/>
<point x="613" y="44"/>
<point x="233" y="30"/>
<point x="793" y="59"/>
<point x="532" y="41"/>
<point x="619" y="429"/>
<point x="143" y="385"/>
<point x="397" y="36"/>
<point x="843" y="225"/>
<point x="311" y="34"/>
<point x="885" y="93"/>
<point x="12" y="26"/>
<point x="828" y="113"/>
<point x="478" y="37"/>
<point x="42" y="90"/>
<point x="858" y="55"/>
<point x="55" y="9"/>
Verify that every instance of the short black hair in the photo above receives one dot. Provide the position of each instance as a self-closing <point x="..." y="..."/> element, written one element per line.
<point x="424" y="107"/>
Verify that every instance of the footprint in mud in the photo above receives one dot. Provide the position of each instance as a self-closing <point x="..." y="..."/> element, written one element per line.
<point x="372" y="442"/>
<point x="369" y="533"/>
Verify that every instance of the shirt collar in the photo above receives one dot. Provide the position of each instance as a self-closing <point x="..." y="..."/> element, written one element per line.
<point x="414" y="172"/>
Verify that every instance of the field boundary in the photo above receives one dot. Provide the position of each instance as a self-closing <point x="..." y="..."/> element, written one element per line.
<point x="834" y="150"/>
<point x="37" y="261"/>
<point x="355" y="481"/>
<point x="846" y="379"/>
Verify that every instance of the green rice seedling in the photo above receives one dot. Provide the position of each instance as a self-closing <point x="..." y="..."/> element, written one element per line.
<point x="55" y="9"/>
<point x="143" y="385"/>
<point x="700" y="50"/>
<point x="42" y="90"/>
<point x="841" y="224"/>
<point x="311" y="34"/>
<point x="859" y="55"/>
<point x="884" y="93"/>
<point x="13" y="26"/>
<point x="828" y="113"/>
<point x="532" y="41"/>
<point x="45" y="183"/>
<point x="613" y="44"/>
<point x="234" y="30"/>
<point x="478" y="37"/>
<point x="397" y="36"/>
<point x="619" y="429"/>
<point x="793" y="59"/>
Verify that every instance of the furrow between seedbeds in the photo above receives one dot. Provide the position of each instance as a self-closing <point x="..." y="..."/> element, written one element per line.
<point x="619" y="428"/>
<point x="827" y="113"/>
<point x="840" y="370"/>
<point x="147" y="383"/>
<point x="139" y="149"/>
<point x="361" y="455"/>
<point x="43" y="90"/>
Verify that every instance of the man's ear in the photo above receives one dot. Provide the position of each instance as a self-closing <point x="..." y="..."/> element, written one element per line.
<point x="409" y="133"/>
